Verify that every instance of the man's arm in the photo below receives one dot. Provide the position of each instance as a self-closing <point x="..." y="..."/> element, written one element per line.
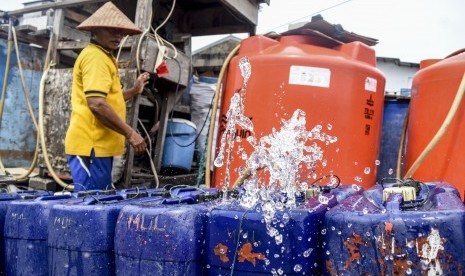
<point x="108" y="117"/>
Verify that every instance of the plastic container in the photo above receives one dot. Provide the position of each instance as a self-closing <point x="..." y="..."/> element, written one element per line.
<point x="338" y="88"/>
<point x="178" y="151"/>
<point x="161" y="239"/>
<point x="5" y="200"/>
<point x="393" y="233"/>
<point x="26" y="233"/>
<point x="81" y="235"/>
<point x="238" y="238"/>
<point x="434" y="88"/>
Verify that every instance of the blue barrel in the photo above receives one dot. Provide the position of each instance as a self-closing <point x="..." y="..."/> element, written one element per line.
<point x="238" y="239"/>
<point x="25" y="234"/>
<point x="178" y="151"/>
<point x="394" y="114"/>
<point x="378" y="233"/>
<point x="81" y="234"/>
<point x="161" y="239"/>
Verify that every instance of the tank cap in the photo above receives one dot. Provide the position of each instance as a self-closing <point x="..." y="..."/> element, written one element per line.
<point x="408" y="193"/>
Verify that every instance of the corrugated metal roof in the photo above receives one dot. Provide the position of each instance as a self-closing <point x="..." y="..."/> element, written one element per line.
<point x="330" y="33"/>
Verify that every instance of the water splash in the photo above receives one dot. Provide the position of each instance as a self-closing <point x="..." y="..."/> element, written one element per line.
<point x="234" y="116"/>
<point x="289" y="156"/>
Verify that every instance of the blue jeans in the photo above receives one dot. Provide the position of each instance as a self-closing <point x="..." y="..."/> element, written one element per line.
<point x="90" y="172"/>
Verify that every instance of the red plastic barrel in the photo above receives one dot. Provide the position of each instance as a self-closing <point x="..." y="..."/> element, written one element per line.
<point x="339" y="88"/>
<point x="433" y="90"/>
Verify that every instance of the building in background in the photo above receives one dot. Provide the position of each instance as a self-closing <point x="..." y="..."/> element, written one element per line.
<point x="399" y="75"/>
<point x="208" y="60"/>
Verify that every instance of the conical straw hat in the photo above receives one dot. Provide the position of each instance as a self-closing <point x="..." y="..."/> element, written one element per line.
<point x="109" y="16"/>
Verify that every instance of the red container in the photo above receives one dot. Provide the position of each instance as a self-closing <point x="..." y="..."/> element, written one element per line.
<point x="433" y="90"/>
<point x="339" y="88"/>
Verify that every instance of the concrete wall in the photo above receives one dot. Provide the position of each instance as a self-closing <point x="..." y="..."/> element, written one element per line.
<point x="399" y="75"/>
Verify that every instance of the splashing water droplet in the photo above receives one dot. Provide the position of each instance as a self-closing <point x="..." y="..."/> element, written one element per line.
<point x="308" y="252"/>
<point x="355" y="187"/>
<point x="367" y="170"/>
<point x="377" y="162"/>
<point x="391" y="171"/>
<point x="329" y="126"/>
<point x="358" y="179"/>
<point x="297" y="268"/>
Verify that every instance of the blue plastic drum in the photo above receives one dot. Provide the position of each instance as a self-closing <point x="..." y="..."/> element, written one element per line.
<point x="414" y="230"/>
<point x="26" y="232"/>
<point x="81" y="234"/>
<point x="164" y="239"/>
<point x="238" y="239"/>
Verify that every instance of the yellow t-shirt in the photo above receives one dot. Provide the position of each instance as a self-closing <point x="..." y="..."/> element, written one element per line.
<point x="95" y="74"/>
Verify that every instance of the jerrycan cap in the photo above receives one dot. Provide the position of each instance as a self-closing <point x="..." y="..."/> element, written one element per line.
<point x="408" y="193"/>
<point x="312" y="192"/>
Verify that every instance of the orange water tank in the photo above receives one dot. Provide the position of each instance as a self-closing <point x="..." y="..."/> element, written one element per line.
<point x="338" y="87"/>
<point x="433" y="90"/>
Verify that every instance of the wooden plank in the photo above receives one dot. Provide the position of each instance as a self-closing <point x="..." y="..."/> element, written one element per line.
<point x="58" y="20"/>
<point x="168" y="101"/>
<point x="73" y="34"/>
<point x="57" y="5"/>
<point x="25" y="28"/>
<point x="74" y="16"/>
<point x="142" y="20"/>
<point x="215" y="20"/>
<point x="242" y="8"/>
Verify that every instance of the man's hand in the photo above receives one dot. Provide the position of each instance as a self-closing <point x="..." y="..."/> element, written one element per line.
<point x="137" y="142"/>
<point x="140" y="82"/>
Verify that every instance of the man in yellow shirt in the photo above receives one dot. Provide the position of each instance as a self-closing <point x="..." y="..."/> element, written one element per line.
<point x="97" y="128"/>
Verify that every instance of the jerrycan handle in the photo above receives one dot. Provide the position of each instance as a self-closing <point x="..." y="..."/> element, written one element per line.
<point x="179" y="200"/>
<point x="134" y="189"/>
<point x="92" y="200"/>
<point x="53" y="197"/>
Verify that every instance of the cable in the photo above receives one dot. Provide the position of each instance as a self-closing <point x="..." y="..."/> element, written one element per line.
<point x="312" y="14"/>
<point x="121" y="47"/>
<point x="237" y="243"/>
<point x="41" y="119"/>
<point x="149" y="153"/>
<point x="201" y="129"/>
<point x="213" y="116"/>
<point x="442" y="130"/>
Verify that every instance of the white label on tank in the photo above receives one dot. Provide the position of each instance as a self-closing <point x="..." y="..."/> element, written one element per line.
<point x="370" y="84"/>
<point x="311" y="76"/>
